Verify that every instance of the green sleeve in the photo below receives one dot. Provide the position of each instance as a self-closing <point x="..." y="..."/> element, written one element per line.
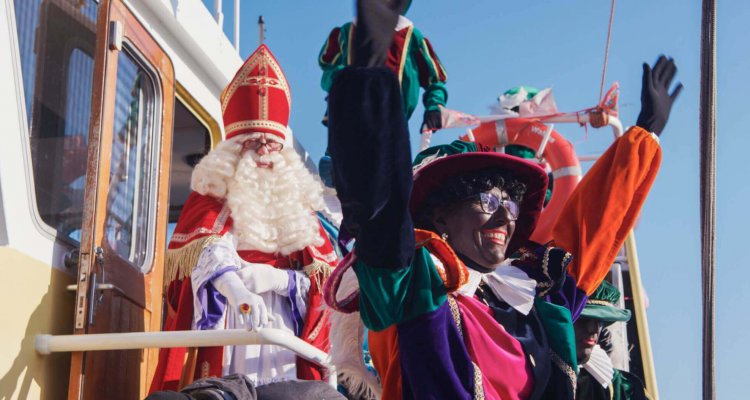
<point x="432" y="75"/>
<point x="627" y="386"/>
<point x="558" y="324"/>
<point x="390" y="296"/>
<point x="333" y="55"/>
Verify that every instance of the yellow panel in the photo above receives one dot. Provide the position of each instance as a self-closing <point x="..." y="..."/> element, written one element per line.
<point x="34" y="300"/>
<point x="640" y="314"/>
<point x="192" y="104"/>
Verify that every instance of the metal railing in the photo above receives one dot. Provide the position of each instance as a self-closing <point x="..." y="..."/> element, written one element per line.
<point x="47" y="344"/>
<point x="219" y="17"/>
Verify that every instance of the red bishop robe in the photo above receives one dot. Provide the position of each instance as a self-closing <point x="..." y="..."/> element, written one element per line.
<point x="205" y="219"/>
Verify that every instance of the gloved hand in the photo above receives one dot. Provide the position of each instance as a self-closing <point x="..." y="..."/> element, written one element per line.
<point x="263" y="278"/>
<point x="432" y="121"/>
<point x="250" y="308"/>
<point x="656" y="102"/>
<point x="376" y="20"/>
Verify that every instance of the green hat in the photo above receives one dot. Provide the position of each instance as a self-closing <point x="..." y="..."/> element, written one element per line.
<point x="601" y="305"/>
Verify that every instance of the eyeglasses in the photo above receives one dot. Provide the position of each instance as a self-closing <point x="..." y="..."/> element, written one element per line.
<point x="491" y="202"/>
<point x="255" y="144"/>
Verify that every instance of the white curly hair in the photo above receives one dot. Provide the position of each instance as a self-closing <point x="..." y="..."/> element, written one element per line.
<point x="273" y="209"/>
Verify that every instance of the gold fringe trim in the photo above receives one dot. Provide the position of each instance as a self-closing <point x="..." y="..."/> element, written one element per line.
<point x="180" y="262"/>
<point x="319" y="272"/>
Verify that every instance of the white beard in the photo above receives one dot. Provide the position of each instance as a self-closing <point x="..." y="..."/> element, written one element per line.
<point x="273" y="208"/>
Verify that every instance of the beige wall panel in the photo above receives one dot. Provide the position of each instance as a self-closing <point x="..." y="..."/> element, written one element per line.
<point x="33" y="300"/>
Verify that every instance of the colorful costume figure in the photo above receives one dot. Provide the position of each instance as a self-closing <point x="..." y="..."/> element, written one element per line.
<point x="597" y="378"/>
<point x="410" y="57"/>
<point x="248" y="235"/>
<point x="439" y="327"/>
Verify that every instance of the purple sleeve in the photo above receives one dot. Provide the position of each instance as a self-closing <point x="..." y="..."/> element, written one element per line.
<point x="570" y="297"/>
<point x="297" y="309"/>
<point x="434" y="361"/>
<point x="213" y="304"/>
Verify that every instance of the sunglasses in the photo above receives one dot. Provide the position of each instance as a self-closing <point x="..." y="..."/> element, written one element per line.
<point x="491" y="202"/>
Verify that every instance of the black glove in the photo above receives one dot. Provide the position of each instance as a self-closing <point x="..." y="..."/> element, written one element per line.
<point x="376" y="20"/>
<point x="656" y="102"/>
<point x="432" y="121"/>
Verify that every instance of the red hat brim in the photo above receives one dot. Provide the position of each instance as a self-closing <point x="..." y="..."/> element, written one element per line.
<point x="434" y="175"/>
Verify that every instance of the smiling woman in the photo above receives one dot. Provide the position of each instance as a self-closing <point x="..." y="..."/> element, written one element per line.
<point x="476" y="213"/>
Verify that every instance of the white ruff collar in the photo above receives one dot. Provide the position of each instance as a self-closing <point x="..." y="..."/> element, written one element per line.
<point x="507" y="282"/>
<point x="600" y="366"/>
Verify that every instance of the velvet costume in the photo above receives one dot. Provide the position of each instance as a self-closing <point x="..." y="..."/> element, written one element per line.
<point x="424" y="337"/>
<point x="410" y="57"/>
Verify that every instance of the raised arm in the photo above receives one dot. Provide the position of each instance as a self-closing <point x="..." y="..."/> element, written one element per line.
<point x="369" y="145"/>
<point x="603" y="209"/>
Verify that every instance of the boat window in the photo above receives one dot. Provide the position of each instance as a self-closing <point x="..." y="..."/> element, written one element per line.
<point x="131" y="198"/>
<point x="190" y="142"/>
<point x="57" y="40"/>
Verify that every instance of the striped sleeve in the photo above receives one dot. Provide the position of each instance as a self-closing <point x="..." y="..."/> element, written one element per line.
<point x="432" y="75"/>
<point x="604" y="207"/>
<point x="332" y="58"/>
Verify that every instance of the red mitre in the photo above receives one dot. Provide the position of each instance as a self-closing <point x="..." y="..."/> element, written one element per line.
<point x="257" y="99"/>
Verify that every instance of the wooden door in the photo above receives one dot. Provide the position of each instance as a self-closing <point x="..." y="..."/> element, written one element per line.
<point x="123" y="238"/>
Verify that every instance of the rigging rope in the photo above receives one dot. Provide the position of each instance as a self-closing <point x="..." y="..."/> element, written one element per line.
<point x="708" y="188"/>
<point x="606" y="50"/>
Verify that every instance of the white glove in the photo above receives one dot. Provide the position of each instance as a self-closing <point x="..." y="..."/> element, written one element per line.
<point x="250" y="308"/>
<point x="262" y="278"/>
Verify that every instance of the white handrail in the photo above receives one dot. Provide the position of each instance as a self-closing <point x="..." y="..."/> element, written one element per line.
<point x="46" y="344"/>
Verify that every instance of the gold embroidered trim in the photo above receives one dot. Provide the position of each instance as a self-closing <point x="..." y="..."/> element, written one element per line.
<point x="545" y="263"/>
<point x="567" y="369"/>
<point x="478" y="385"/>
<point x="321" y="322"/>
<point x="566" y="258"/>
<point x="435" y="63"/>
<point x="205" y="369"/>
<point x="255" y="123"/>
<point x="456" y="315"/>
<point x="404" y="53"/>
<point x="543" y="287"/>
<point x="601" y="303"/>
<point x="180" y="262"/>
<point x="349" y="45"/>
<point x="243" y="78"/>
<point x="221" y="220"/>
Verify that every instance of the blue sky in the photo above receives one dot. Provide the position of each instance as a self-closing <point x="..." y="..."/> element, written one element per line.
<point x="488" y="46"/>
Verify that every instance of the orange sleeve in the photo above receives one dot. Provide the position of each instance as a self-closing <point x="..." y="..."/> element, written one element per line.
<point x="604" y="207"/>
<point x="383" y="347"/>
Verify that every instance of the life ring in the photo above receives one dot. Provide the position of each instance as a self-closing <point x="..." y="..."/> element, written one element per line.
<point x="558" y="153"/>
